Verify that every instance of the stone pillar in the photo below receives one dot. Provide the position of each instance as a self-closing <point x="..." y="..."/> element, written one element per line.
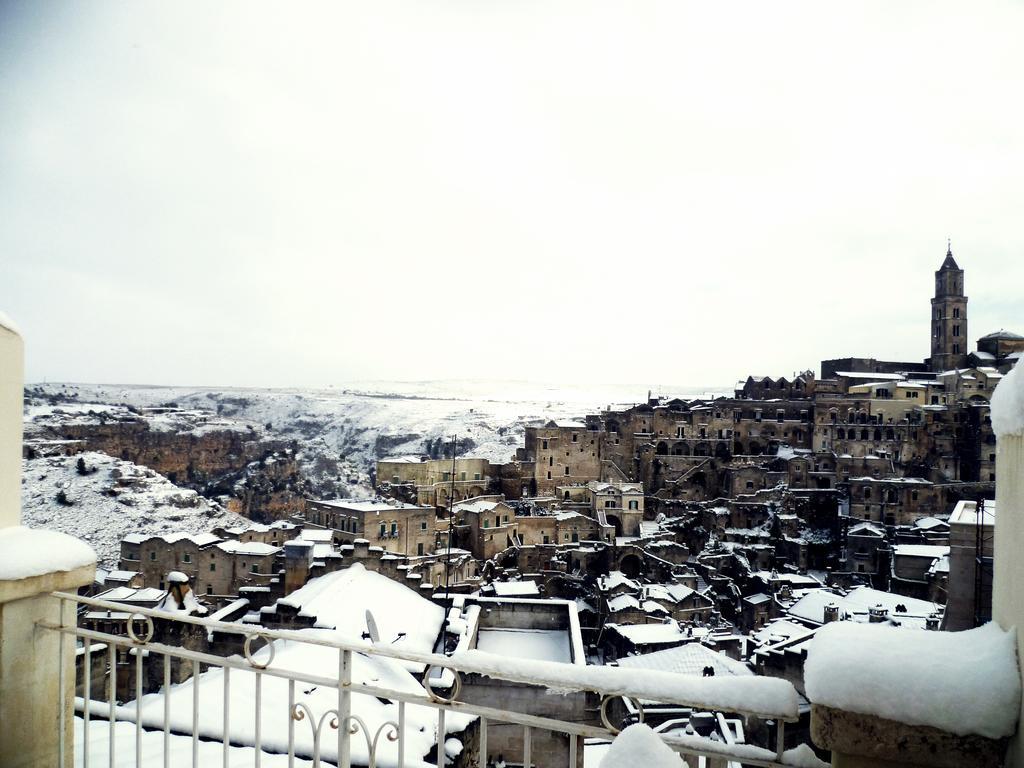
<point x="1007" y="604"/>
<point x="33" y="563"/>
<point x="11" y="399"/>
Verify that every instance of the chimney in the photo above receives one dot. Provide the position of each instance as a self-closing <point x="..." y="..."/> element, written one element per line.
<point x="932" y="622"/>
<point x="877" y="614"/>
<point x="298" y="559"/>
<point x="831" y="613"/>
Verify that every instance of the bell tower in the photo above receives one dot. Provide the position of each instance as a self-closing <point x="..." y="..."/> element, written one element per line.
<point x="949" y="316"/>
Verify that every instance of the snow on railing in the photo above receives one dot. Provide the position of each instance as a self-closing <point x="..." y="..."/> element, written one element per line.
<point x="314" y="673"/>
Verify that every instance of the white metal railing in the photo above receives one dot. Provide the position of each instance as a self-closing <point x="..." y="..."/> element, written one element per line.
<point x="156" y="724"/>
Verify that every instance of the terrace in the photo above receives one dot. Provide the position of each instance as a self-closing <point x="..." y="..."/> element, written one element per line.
<point x="308" y="697"/>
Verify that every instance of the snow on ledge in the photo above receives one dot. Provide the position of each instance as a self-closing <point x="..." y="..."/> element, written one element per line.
<point x="961" y="682"/>
<point x="27" y="552"/>
<point x="765" y="696"/>
<point x="1008" y="404"/>
<point x="7" y="324"/>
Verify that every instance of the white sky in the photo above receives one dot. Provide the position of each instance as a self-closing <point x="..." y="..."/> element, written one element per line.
<point x="299" y="194"/>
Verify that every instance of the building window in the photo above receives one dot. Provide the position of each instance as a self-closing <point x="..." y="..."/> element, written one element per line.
<point x="462" y="476"/>
<point x="549" y="474"/>
<point x="546" y="539"/>
<point x="213" y="567"/>
<point x="187" y="557"/>
<point x="446" y="477"/>
<point x="476" y="475"/>
<point x="423" y="525"/>
<point x="255" y="567"/>
<point x="956" y="311"/>
<point x="956" y="349"/>
<point x="504" y="519"/>
<point x="487" y="523"/>
<point x="209" y="589"/>
<point x="567" y="471"/>
<point x="551" y="461"/>
<point x="575" y="437"/>
<point x="634" y="504"/>
<point x="394" y="529"/>
<point x="152" y="555"/>
<point x="419" y="548"/>
<point x="383" y="530"/>
<point x="544" y="444"/>
<point x="956" y="330"/>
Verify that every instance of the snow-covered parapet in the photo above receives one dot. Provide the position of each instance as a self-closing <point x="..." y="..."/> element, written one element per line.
<point x="26" y="553"/>
<point x="1008" y="404"/>
<point x="964" y="683"/>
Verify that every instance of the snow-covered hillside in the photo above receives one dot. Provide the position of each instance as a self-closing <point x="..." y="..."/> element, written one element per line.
<point x="342" y="432"/>
<point x="114" y="498"/>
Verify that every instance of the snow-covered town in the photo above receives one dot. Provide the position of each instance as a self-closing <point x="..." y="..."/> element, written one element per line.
<point x="490" y="384"/>
<point x="731" y="574"/>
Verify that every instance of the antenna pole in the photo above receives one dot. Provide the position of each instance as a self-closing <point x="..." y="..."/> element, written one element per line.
<point x="448" y="550"/>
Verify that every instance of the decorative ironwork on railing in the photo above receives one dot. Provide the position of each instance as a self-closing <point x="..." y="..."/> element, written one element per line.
<point x="392" y="715"/>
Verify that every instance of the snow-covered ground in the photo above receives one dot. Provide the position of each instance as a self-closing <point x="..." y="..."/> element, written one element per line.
<point x="113" y="499"/>
<point x="343" y="430"/>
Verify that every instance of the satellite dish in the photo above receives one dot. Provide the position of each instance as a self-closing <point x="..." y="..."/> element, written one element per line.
<point x="371" y="628"/>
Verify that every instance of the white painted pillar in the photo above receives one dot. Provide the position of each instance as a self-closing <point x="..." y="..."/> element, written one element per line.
<point x="12" y="376"/>
<point x="1008" y="582"/>
<point x="31" y="695"/>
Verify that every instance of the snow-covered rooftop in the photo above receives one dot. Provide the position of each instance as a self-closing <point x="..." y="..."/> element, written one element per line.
<point x="811" y="606"/>
<point x="689" y="659"/>
<point x="966" y="513"/>
<point x="516" y="588"/>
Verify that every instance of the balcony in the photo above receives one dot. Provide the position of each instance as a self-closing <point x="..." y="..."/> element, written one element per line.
<point x="293" y="698"/>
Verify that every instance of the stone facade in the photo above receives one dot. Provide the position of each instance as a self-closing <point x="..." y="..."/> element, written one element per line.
<point x="400" y="528"/>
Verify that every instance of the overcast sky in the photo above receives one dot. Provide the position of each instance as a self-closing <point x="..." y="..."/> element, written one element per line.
<point x="630" y="192"/>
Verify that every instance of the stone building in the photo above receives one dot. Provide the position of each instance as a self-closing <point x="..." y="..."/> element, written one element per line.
<point x="620" y="505"/>
<point x="893" y="500"/>
<point x="1001" y="349"/>
<point x="394" y="526"/>
<point x="489" y="526"/>
<point x="214" y="567"/>
<point x="430" y="482"/>
<point x="560" y="453"/>
<point x="949" y="317"/>
<point x="971" y="538"/>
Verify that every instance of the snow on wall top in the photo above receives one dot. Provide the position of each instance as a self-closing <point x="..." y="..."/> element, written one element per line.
<point x="961" y="682"/>
<point x="25" y="553"/>
<point x="1008" y="404"/>
<point x="7" y="324"/>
